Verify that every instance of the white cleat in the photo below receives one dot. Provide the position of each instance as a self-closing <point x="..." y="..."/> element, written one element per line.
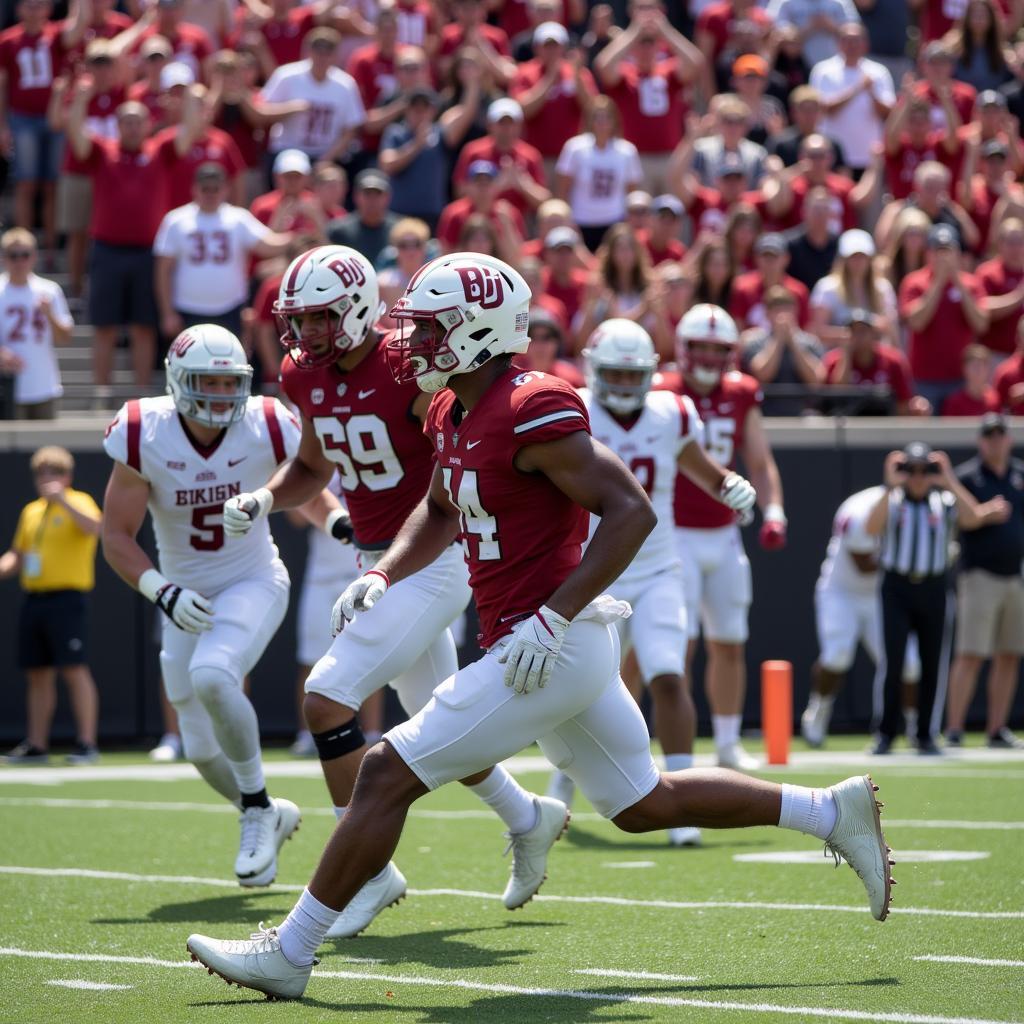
<point x="562" y="788"/>
<point x="734" y="756"/>
<point x="378" y="894"/>
<point x="264" y="830"/>
<point x="167" y="750"/>
<point x="687" y="836"/>
<point x="530" y="851"/>
<point x="857" y="838"/>
<point x="256" y="963"/>
<point x="814" y="723"/>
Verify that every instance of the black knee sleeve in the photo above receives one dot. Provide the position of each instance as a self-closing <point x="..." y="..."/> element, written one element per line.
<point x="339" y="741"/>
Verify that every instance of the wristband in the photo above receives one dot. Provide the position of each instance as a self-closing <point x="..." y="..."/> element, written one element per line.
<point x="774" y="514"/>
<point x="151" y="583"/>
<point x="379" y="572"/>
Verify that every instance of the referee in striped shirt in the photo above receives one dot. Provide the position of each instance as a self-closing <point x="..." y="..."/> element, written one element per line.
<point x="916" y="519"/>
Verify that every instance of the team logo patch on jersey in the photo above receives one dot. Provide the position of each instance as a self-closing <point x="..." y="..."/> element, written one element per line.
<point x="440" y="441"/>
<point x="316" y="396"/>
<point x="206" y="475"/>
<point x="482" y="285"/>
<point x="171" y="464"/>
<point x="341" y="389"/>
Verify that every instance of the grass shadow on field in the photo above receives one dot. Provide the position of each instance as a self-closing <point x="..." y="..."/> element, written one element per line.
<point x="440" y="947"/>
<point x="241" y="908"/>
<point x="610" y="841"/>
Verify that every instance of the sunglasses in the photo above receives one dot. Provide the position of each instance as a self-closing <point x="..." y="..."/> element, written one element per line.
<point x="48" y="471"/>
<point x="18" y="254"/>
<point x="994" y="432"/>
<point x="412" y="243"/>
<point x="158" y="56"/>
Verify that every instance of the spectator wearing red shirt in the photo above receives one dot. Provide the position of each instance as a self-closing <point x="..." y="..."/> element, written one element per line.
<point x="671" y="295"/>
<point x="661" y="240"/>
<point x="977" y="396"/>
<point x="562" y="277"/>
<point x="648" y="88"/>
<point x="771" y="254"/>
<point x="942" y="307"/>
<point x="154" y="55"/>
<point x="190" y="44"/>
<point x="554" y="92"/>
<point x="128" y="189"/>
<point x="939" y="87"/>
<point x="373" y="68"/>
<point x="481" y="197"/>
<point x="910" y="140"/>
<point x="992" y="187"/>
<point x="419" y="24"/>
<point x="1003" y="281"/>
<point x="93" y="19"/>
<point x="521" y="179"/>
<point x="708" y="208"/>
<point x="863" y="361"/>
<point x="290" y="207"/>
<point x="937" y="17"/>
<point x="29" y="56"/>
<point x="283" y="25"/>
<point x="992" y="122"/>
<point x="1008" y="379"/>
<point x="532" y="270"/>
<point x="470" y="28"/>
<point x="547" y="344"/>
<point x="717" y="22"/>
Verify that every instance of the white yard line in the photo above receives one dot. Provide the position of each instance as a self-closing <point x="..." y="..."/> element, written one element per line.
<point x="629" y="864"/>
<point x="607" y="972"/>
<point x="90" y="986"/>
<point x="85" y="804"/>
<point x="614" y="901"/>
<point x="976" y="960"/>
<point x="822" y="1012"/>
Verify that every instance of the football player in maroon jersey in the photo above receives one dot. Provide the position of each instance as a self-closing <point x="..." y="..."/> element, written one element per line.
<point x="358" y="421"/>
<point x="516" y="473"/>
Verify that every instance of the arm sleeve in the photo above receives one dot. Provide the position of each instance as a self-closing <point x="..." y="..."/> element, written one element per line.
<point x="252" y="230"/>
<point x="166" y="242"/>
<point x="20" y="542"/>
<point x="858" y="540"/>
<point x="60" y="306"/>
<point x="691" y="426"/>
<point x="291" y="431"/>
<point x="123" y="438"/>
<point x="275" y="90"/>
<point x="567" y="158"/>
<point x="548" y="414"/>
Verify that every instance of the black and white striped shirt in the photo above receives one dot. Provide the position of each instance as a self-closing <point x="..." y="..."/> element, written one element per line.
<point x="918" y="534"/>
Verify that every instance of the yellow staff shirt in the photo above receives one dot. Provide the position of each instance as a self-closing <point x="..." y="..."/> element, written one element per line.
<point x="56" y="553"/>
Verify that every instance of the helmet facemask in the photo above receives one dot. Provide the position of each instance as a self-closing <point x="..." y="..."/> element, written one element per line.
<point x="618" y="396"/>
<point x="195" y="402"/>
<point x="708" y="363"/>
<point x="420" y="350"/>
<point x="315" y="336"/>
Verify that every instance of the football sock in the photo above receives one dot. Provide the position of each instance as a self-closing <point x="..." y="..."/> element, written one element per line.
<point x="304" y="929"/>
<point x="726" y="729"/>
<point x="811" y="811"/>
<point x="339" y="812"/>
<point x="249" y="774"/>
<point x="256" y="799"/>
<point x="217" y="774"/>
<point x="508" y="800"/>
<point x="678" y="762"/>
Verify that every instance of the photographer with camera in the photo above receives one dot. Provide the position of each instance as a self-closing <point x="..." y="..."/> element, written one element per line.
<point x="916" y="518"/>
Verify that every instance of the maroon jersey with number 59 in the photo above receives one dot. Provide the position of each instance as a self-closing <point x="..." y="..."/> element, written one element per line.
<point x="366" y="425"/>
<point x="522" y="536"/>
<point x="724" y="412"/>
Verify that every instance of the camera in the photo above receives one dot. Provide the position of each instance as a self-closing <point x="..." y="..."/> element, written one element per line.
<point x="931" y="468"/>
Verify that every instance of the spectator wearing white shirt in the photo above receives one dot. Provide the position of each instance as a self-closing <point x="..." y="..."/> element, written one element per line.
<point x="857" y="96"/>
<point x="33" y="318"/>
<point x="596" y="171"/>
<point x="326" y="130"/>
<point x="202" y="257"/>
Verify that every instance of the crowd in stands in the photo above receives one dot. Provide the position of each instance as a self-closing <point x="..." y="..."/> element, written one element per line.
<point x="844" y="176"/>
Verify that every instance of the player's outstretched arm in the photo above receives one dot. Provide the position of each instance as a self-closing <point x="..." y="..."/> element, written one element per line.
<point x="729" y="488"/>
<point x="595" y="478"/>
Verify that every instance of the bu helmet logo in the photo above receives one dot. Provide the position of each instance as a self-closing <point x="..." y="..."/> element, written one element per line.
<point x="350" y="272"/>
<point x="182" y="343"/>
<point x="483" y="286"/>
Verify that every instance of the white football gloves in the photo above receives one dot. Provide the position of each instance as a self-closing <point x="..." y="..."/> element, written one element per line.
<point x="737" y="493"/>
<point x="241" y="511"/>
<point x="188" y="610"/>
<point x="533" y="651"/>
<point x="359" y="596"/>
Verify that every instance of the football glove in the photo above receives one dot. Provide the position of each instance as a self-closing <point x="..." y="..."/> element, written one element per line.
<point x="533" y="650"/>
<point x="737" y="493"/>
<point x="359" y="596"/>
<point x="773" y="530"/>
<point x="241" y="511"/>
<point x="339" y="526"/>
<point x="188" y="610"/>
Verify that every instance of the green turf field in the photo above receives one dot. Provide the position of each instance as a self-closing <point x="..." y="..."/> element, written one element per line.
<point x="101" y="886"/>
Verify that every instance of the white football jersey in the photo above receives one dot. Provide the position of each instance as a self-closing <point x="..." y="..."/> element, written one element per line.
<point x="650" y="447"/>
<point x="850" y="536"/>
<point x="189" y="485"/>
<point x="25" y="331"/>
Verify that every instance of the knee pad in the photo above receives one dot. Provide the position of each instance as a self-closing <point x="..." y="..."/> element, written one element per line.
<point x="211" y="683"/>
<point x="339" y="741"/>
<point x="197" y="738"/>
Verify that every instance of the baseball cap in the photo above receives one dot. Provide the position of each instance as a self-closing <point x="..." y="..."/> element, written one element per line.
<point x="156" y="44"/>
<point x="750" y="64"/>
<point x="991" y="98"/>
<point x="994" y="148"/>
<point x="731" y="163"/>
<point x="942" y="236"/>
<point x="667" y="203"/>
<point x="917" y="453"/>
<point x="563" y="236"/>
<point x="176" y="73"/>
<point x="290" y="161"/>
<point x="505" y="107"/>
<point x="771" y="242"/>
<point x="639" y="201"/>
<point x="860" y="315"/>
<point x="550" y="32"/>
<point x="937" y="50"/>
<point x="372" y="179"/>
<point x="482" y="168"/>
<point x="210" y="171"/>
<point x="854" y="241"/>
<point x="541" y="317"/>
<point x="993" y="423"/>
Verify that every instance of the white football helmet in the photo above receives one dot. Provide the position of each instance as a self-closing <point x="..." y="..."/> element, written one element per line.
<point x="709" y="325"/>
<point x="457" y="312"/>
<point x="620" y="345"/>
<point x="330" y="279"/>
<point x="208" y="350"/>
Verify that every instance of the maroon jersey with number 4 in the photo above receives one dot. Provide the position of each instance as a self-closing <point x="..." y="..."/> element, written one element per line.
<point x="521" y="535"/>
<point x="366" y="425"/>
<point x="724" y="412"/>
